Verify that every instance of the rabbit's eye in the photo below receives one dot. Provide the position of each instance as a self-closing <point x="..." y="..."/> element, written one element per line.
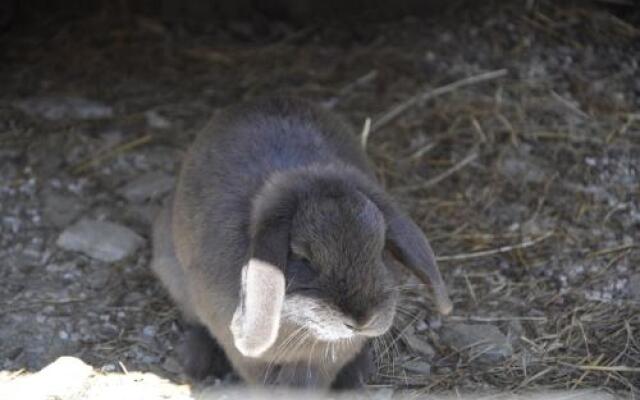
<point x="300" y="271"/>
<point x="294" y="256"/>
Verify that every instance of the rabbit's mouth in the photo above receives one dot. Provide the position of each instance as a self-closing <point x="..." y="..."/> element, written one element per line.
<point x="326" y="323"/>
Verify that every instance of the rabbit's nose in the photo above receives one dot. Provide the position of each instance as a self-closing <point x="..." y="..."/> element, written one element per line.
<point x="375" y="326"/>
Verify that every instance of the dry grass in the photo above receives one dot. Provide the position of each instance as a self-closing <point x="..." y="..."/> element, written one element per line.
<point x="515" y="147"/>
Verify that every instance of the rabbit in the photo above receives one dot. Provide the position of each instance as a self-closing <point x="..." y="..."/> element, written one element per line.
<point x="279" y="243"/>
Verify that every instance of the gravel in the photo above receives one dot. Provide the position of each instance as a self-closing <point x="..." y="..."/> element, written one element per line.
<point x="540" y="169"/>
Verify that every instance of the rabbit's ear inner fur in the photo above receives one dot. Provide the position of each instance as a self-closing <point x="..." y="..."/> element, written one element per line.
<point x="256" y="320"/>
<point x="409" y="245"/>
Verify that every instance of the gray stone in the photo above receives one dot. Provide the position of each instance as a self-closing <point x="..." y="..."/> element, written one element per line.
<point x="99" y="278"/>
<point x="156" y="121"/>
<point x="101" y="240"/>
<point x="59" y="209"/>
<point x="516" y="331"/>
<point x="419" y="345"/>
<point x="108" y="331"/>
<point x="380" y="394"/>
<point x="634" y="287"/>
<point x="149" y="330"/>
<point x="64" y="107"/>
<point x="60" y="268"/>
<point x="133" y="298"/>
<point x="527" y="171"/>
<point x="142" y="213"/>
<point x="484" y="343"/>
<point x="417" y="366"/>
<point x="146" y="187"/>
<point x="421" y="326"/>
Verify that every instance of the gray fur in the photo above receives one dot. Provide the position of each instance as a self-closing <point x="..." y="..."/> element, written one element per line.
<point x="285" y="182"/>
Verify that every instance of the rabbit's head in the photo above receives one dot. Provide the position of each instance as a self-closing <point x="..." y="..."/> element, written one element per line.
<point x="319" y="240"/>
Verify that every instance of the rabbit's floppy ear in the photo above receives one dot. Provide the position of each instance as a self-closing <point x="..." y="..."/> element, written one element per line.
<point x="256" y="321"/>
<point x="409" y="245"/>
<point x="405" y="240"/>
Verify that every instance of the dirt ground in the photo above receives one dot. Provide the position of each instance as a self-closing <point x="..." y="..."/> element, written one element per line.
<point x="527" y="182"/>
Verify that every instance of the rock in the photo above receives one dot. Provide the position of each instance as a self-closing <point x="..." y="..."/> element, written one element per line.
<point x="149" y="331"/>
<point x="60" y="268"/>
<point x="146" y="187"/>
<point x="142" y="213"/>
<point x="57" y="108"/>
<point x="435" y="322"/>
<point x="519" y="169"/>
<point x="99" y="278"/>
<point x="156" y="121"/>
<point x="61" y="379"/>
<point x="133" y="298"/>
<point x="108" y="331"/>
<point x="516" y="331"/>
<point x="484" y="343"/>
<point x="417" y="366"/>
<point x="135" y="385"/>
<point x="70" y="378"/>
<point x="380" y="394"/>
<point x="44" y="157"/>
<point x="101" y="240"/>
<point x="421" y="326"/>
<point x="419" y="345"/>
<point x="172" y="365"/>
<point x="634" y="287"/>
<point x="59" y="209"/>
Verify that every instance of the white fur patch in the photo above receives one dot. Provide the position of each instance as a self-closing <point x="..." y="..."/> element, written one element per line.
<point x="256" y="321"/>
<point x="322" y="321"/>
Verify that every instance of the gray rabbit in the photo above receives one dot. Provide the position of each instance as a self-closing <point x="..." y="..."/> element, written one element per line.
<point x="276" y="245"/>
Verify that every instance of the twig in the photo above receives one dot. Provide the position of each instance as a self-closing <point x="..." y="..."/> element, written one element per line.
<point x="39" y="303"/>
<point x="364" y="136"/>
<point x="604" y="368"/>
<point x="631" y="118"/>
<point x="569" y="105"/>
<point x="494" y="319"/>
<point x="473" y="154"/>
<point x="503" y="249"/>
<point x="478" y="128"/>
<point x="422" y="151"/>
<point x="472" y="292"/>
<point x="535" y="377"/>
<point x="110" y="153"/>
<point x="124" y="369"/>
<point x="400" y="108"/>
<point x="512" y="132"/>
<point x="361" y="81"/>
<point x="613" y="249"/>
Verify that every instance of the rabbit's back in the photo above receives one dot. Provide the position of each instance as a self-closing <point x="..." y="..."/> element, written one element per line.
<point x="228" y="164"/>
